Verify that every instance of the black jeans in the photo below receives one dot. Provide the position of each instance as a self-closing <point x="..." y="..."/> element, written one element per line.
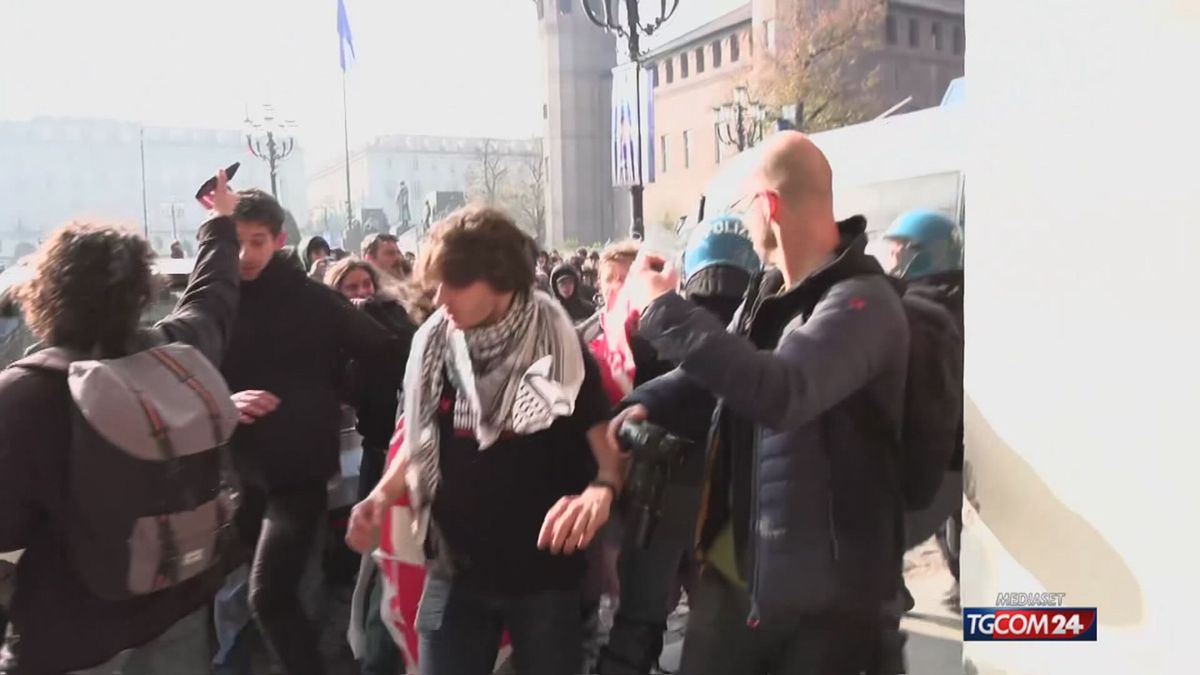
<point x="283" y="526"/>
<point x="719" y="642"/>
<point x="460" y="630"/>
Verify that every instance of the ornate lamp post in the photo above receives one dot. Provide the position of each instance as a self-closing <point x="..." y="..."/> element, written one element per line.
<point x="267" y="139"/>
<point x="629" y="25"/>
<point x="741" y="122"/>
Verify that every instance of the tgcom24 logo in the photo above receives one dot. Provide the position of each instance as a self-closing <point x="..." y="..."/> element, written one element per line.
<point x="1029" y="617"/>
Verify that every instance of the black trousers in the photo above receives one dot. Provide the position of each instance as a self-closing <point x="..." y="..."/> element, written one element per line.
<point x="719" y="642"/>
<point x="282" y="526"/>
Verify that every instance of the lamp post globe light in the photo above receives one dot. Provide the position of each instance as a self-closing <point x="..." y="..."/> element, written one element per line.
<point x="631" y="20"/>
<point x="270" y="140"/>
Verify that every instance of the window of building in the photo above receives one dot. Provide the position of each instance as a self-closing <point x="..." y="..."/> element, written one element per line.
<point x="670" y="66"/>
<point x="959" y="41"/>
<point x="541" y="9"/>
<point x="564" y="6"/>
<point x="716" y="49"/>
<point x="914" y="33"/>
<point x="654" y="76"/>
<point x="890" y="30"/>
<point x="699" y="60"/>
<point x="769" y="34"/>
<point x="683" y="66"/>
<point x="735" y="48"/>
<point x="935" y="33"/>
<point x="687" y="149"/>
<point x="719" y="151"/>
<point x="663" y="152"/>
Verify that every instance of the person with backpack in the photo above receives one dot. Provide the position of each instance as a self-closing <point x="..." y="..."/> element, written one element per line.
<point x="925" y="249"/>
<point x="291" y="344"/>
<point x="112" y="447"/>
<point x="716" y="267"/>
<point x="801" y="523"/>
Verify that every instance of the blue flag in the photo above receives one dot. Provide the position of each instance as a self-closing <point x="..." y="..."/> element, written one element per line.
<point x="345" y="39"/>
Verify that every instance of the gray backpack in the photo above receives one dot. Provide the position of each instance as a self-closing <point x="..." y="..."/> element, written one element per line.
<point x="150" y="494"/>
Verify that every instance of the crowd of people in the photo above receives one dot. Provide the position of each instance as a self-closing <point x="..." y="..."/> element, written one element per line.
<point x="492" y="384"/>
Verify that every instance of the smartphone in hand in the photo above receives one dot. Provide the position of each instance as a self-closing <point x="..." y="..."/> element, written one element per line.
<point x="211" y="184"/>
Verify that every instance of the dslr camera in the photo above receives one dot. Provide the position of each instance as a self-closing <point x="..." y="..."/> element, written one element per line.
<point x="656" y="452"/>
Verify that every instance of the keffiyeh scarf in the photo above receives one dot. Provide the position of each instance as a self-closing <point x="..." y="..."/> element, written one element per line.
<point x="518" y="375"/>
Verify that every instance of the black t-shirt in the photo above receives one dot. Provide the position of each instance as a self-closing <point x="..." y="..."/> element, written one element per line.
<point x="490" y="505"/>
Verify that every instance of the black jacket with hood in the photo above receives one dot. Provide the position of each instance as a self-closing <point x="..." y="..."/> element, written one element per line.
<point x="806" y="485"/>
<point x="301" y="253"/>
<point x="294" y="338"/>
<point x="62" y="626"/>
<point x="372" y="392"/>
<point x="578" y="308"/>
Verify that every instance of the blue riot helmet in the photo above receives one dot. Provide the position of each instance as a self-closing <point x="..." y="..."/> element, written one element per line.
<point x="718" y="263"/>
<point x="720" y="240"/>
<point x="924" y="243"/>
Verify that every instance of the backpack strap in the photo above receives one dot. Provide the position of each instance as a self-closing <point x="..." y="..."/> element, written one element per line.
<point x="220" y="445"/>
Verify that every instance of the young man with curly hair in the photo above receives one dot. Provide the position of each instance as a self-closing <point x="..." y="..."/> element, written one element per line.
<point x="89" y="288"/>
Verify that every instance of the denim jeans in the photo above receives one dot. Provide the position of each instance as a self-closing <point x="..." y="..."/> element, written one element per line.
<point x="182" y="650"/>
<point x="460" y="630"/>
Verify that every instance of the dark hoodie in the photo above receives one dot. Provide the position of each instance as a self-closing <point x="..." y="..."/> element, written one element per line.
<point x="293" y="338"/>
<point x="301" y="254"/>
<point x="577" y="307"/>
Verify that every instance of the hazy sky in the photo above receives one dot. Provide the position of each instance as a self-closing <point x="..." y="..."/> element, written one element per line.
<point x="461" y="67"/>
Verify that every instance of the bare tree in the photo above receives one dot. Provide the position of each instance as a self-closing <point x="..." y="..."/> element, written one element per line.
<point x="824" y="64"/>
<point x="529" y="196"/>
<point x="488" y="176"/>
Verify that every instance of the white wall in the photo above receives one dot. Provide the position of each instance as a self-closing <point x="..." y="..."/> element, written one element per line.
<point x="1082" y="324"/>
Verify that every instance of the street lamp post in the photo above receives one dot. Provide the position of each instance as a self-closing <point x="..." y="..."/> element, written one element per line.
<point x="740" y="122"/>
<point x="628" y="24"/>
<point x="267" y="139"/>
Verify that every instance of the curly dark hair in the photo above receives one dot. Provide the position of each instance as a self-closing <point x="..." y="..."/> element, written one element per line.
<point x="89" y="288"/>
<point x="478" y="243"/>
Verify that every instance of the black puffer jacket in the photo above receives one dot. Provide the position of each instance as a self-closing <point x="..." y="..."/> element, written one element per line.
<point x="815" y="515"/>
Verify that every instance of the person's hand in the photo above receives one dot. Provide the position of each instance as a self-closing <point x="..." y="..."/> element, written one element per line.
<point x="319" y="267"/>
<point x="634" y="413"/>
<point x="222" y="200"/>
<point x="253" y="404"/>
<point x="362" y="534"/>
<point x="572" y="523"/>
<point x="656" y="276"/>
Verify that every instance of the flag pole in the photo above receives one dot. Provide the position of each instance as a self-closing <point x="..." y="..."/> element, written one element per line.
<point x="346" y="146"/>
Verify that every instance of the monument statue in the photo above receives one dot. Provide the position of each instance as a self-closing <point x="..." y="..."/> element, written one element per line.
<point x="402" y="205"/>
